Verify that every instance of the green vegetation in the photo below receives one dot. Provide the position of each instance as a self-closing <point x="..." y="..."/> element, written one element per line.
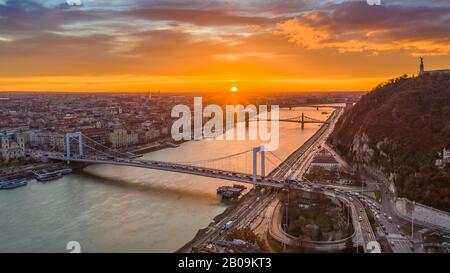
<point x="274" y="245"/>
<point x="246" y="234"/>
<point x="376" y="195"/>
<point x="349" y="246"/>
<point x="321" y="174"/>
<point x="407" y="230"/>
<point x="315" y="217"/>
<point x="16" y="163"/>
<point x="371" y="218"/>
<point x="400" y="127"/>
<point x="311" y="216"/>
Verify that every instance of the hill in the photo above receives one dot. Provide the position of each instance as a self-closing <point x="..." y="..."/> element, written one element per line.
<point x="400" y="129"/>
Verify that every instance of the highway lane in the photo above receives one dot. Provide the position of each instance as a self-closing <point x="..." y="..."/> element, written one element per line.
<point x="298" y="163"/>
<point x="241" y="216"/>
<point x="392" y="228"/>
<point x="256" y="203"/>
<point x="254" y="211"/>
<point x="306" y="150"/>
<point x="277" y="232"/>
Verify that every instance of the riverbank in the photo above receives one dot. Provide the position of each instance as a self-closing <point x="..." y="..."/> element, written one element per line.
<point x="216" y="219"/>
<point x="160" y="211"/>
<point x="26" y="171"/>
<point x="229" y="211"/>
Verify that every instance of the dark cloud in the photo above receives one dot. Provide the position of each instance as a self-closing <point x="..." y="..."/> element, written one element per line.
<point x="199" y="17"/>
<point x="356" y="26"/>
<point x="158" y="36"/>
<point x="28" y="18"/>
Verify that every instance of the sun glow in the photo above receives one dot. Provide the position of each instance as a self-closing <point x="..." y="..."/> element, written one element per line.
<point x="234" y="89"/>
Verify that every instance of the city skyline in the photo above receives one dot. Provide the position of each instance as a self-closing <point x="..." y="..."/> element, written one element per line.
<point x="179" y="46"/>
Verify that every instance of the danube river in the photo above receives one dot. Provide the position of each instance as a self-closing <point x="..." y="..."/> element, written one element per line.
<point x="122" y="209"/>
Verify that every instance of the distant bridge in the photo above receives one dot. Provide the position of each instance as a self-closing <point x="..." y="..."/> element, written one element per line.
<point x="303" y="119"/>
<point x="317" y="106"/>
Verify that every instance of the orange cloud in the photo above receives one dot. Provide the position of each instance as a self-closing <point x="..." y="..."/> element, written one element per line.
<point x="358" y="27"/>
<point x="316" y="38"/>
<point x="192" y="46"/>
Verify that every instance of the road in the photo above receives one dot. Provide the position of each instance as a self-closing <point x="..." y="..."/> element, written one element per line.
<point x="253" y="210"/>
<point x="259" y="210"/>
<point x="298" y="163"/>
<point x="26" y="170"/>
<point x="392" y="229"/>
<point x="245" y="214"/>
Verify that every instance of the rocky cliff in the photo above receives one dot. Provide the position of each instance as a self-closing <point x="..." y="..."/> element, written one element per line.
<point x="400" y="130"/>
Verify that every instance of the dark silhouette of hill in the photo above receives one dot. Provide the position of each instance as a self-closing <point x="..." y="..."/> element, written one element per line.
<point x="400" y="129"/>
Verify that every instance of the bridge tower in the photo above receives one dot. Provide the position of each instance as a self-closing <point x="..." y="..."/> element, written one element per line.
<point x="69" y="137"/>
<point x="260" y="150"/>
<point x="303" y="120"/>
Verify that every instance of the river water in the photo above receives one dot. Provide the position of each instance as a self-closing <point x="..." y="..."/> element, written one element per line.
<point x="122" y="209"/>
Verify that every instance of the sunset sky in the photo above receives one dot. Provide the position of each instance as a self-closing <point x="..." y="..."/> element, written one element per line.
<point x="180" y="45"/>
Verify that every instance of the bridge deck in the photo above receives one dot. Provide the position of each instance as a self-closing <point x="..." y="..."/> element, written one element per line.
<point x="186" y="169"/>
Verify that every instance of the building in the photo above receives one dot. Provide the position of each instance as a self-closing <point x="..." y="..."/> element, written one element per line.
<point x="133" y="139"/>
<point x="328" y="163"/>
<point x="12" y="146"/>
<point x="118" y="138"/>
<point x="446" y="155"/>
<point x="57" y="142"/>
<point x="441" y="162"/>
<point x="99" y="135"/>
<point x="324" y="159"/>
<point x="423" y="72"/>
<point x="50" y="141"/>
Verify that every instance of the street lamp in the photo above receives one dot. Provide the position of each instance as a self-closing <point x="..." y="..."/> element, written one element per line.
<point x="412" y="221"/>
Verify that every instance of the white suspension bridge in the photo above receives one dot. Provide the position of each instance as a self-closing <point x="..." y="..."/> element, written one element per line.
<point x="234" y="167"/>
<point x="81" y="148"/>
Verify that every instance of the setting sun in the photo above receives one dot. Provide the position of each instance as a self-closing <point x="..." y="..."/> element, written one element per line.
<point x="234" y="89"/>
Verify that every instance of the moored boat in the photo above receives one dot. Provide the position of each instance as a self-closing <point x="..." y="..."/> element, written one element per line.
<point x="49" y="176"/>
<point x="12" y="183"/>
